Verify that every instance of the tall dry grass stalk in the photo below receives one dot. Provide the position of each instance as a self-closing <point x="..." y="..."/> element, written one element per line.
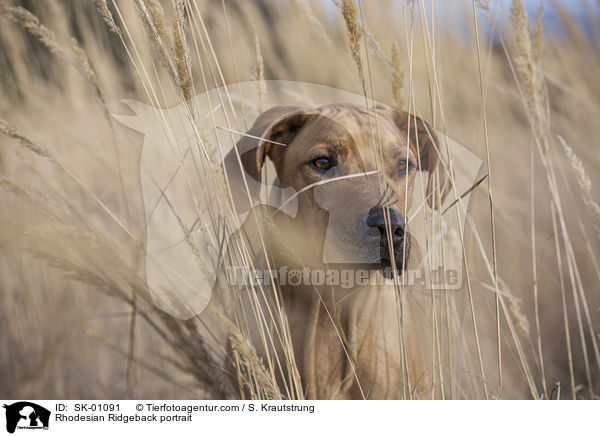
<point x="255" y="374"/>
<point x="12" y="132"/>
<point x="397" y="76"/>
<point x="535" y="96"/>
<point x="107" y="16"/>
<point x="259" y="69"/>
<point x="76" y="56"/>
<point x="585" y="184"/>
<point x="169" y="47"/>
<point x="182" y="62"/>
<point x="354" y="31"/>
<point x="529" y="60"/>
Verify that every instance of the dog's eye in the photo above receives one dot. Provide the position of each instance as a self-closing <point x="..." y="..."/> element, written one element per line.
<point x="322" y="163"/>
<point x="404" y="166"/>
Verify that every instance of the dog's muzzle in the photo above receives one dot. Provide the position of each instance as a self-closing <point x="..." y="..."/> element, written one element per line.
<point x="388" y="225"/>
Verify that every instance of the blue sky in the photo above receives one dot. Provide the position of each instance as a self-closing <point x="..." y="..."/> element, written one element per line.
<point x="577" y="8"/>
<point x="552" y="24"/>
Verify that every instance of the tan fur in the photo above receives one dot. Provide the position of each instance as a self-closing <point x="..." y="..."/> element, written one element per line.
<point x="366" y="342"/>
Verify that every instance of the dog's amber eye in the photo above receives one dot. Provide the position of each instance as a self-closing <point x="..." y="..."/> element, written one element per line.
<point x="322" y="163"/>
<point x="404" y="166"/>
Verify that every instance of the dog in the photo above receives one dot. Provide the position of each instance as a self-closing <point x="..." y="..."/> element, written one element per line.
<point x="353" y="170"/>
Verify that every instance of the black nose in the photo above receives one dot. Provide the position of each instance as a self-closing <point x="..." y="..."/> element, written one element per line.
<point x="377" y="217"/>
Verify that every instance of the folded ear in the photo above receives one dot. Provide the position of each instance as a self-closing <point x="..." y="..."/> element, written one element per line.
<point x="427" y="147"/>
<point x="272" y="131"/>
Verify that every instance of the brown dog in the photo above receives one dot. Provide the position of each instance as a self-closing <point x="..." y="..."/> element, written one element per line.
<point x="354" y="172"/>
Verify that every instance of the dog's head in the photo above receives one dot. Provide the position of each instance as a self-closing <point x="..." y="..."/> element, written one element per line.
<point x="354" y="171"/>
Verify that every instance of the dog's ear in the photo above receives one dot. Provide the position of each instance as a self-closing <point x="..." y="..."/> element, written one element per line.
<point x="427" y="147"/>
<point x="272" y="131"/>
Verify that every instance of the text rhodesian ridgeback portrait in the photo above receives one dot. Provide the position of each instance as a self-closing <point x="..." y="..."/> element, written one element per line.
<point x="354" y="171"/>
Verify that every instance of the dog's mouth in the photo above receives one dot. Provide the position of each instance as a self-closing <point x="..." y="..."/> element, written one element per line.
<point x="398" y="257"/>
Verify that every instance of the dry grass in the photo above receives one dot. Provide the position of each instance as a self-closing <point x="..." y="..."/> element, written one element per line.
<point x="72" y="223"/>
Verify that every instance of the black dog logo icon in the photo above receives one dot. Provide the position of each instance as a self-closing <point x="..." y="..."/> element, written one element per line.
<point x="26" y="415"/>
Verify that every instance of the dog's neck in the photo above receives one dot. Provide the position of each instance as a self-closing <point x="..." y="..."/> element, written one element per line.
<point x="347" y="342"/>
